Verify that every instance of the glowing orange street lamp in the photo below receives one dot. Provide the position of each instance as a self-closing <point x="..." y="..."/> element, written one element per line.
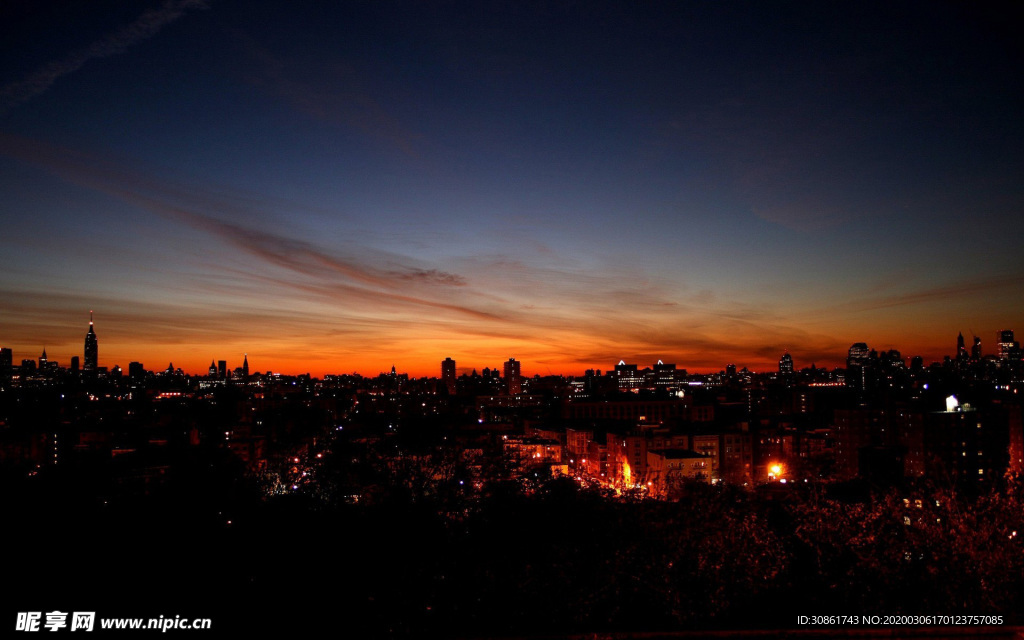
<point x="774" y="471"/>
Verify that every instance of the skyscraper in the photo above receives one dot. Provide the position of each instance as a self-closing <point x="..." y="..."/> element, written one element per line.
<point x="448" y="375"/>
<point x="1007" y="345"/>
<point x="91" y="349"/>
<point x="245" y="367"/>
<point x="628" y="376"/>
<point x="786" y="364"/>
<point x="961" y="348"/>
<point x="857" y="365"/>
<point x="664" y="374"/>
<point x="858" y="354"/>
<point x="6" y="362"/>
<point x="512" y="378"/>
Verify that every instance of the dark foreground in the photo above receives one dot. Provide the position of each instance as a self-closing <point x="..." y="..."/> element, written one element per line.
<point x="550" y="562"/>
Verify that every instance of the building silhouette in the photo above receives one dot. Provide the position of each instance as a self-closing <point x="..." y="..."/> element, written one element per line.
<point x="665" y="374"/>
<point x="628" y="376"/>
<point x="858" y="354"/>
<point x="448" y="375"/>
<point x="6" y="362"/>
<point x="513" y="379"/>
<point x="91" y="363"/>
<point x="961" y="349"/>
<point x="1009" y="349"/>
<point x="786" y="364"/>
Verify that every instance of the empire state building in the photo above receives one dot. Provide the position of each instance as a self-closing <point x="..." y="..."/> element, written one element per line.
<point x="91" y="348"/>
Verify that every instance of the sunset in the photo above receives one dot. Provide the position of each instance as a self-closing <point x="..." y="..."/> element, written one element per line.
<point x="333" y="190"/>
<point x="508" y="319"/>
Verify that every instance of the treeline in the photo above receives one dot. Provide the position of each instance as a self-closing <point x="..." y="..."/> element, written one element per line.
<point x="560" y="559"/>
<point x="551" y="560"/>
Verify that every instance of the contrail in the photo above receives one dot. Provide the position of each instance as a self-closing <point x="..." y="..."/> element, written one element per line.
<point x="145" y="27"/>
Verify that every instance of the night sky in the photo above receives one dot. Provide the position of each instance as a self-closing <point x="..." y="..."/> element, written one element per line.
<point x="339" y="187"/>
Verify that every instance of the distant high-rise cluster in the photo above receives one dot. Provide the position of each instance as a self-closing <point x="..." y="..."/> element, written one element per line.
<point x="864" y="367"/>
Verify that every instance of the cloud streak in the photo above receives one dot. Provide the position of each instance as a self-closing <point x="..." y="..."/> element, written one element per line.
<point x="548" y="313"/>
<point x="146" y="26"/>
<point x="937" y="294"/>
<point x="367" y="275"/>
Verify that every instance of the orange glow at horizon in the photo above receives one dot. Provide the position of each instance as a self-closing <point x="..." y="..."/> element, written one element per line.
<point x="312" y="337"/>
<point x="421" y="357"/>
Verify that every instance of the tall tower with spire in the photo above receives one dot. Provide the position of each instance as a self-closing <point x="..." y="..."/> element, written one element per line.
<point x="91" y="349"/>
<point x="245" y="367"/>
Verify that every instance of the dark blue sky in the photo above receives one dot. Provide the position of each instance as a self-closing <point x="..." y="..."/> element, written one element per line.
<point x="332" y="188"/>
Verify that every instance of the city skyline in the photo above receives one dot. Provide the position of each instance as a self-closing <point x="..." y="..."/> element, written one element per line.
<point x="338" y="189"/>
<point x="1004" y="338"/>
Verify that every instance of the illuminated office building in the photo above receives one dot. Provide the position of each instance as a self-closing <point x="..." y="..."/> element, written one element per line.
<point x="786" y="364"/>
<point x="1008" y="347"/>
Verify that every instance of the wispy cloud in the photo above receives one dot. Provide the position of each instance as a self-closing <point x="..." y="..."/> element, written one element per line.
<point x="304" y="257"/>
<point x="956" y="291"/>
<point x="146" y="26"/>
<point x="363" y="273"/>
<point x="549" y="311"/>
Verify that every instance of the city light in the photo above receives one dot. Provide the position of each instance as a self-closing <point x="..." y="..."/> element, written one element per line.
<point x="568" y="319"/>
